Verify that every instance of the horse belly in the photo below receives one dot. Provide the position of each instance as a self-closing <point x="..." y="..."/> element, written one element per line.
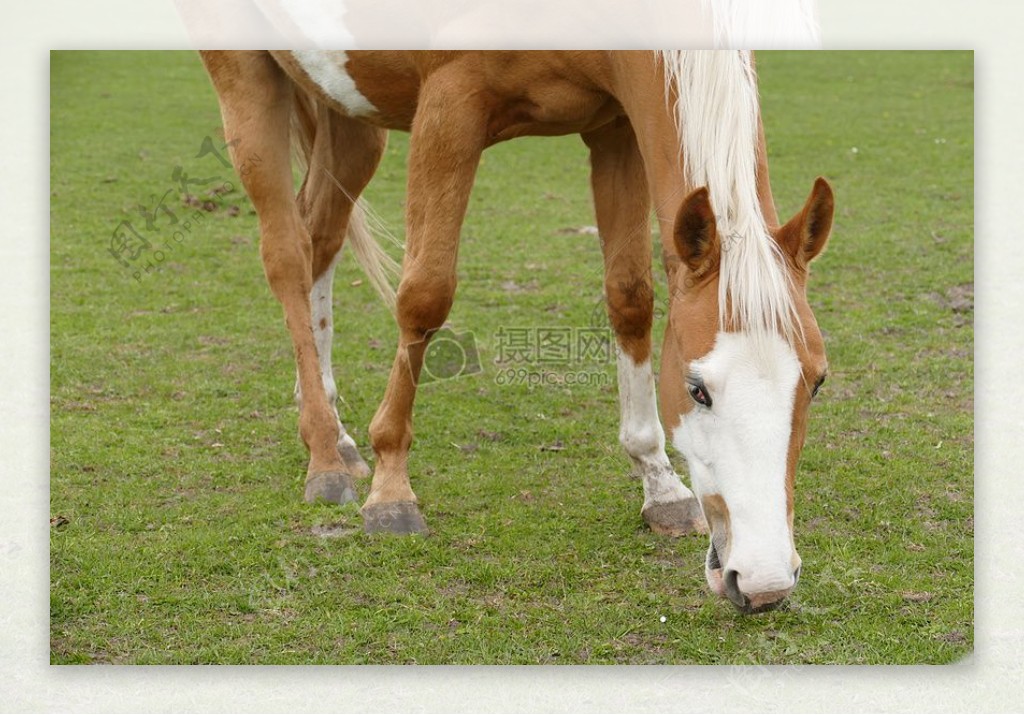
<point x="376" y="87"/>
<point x="546" y="93"/>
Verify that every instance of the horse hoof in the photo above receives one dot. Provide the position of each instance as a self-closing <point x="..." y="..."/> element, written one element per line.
<point x="354" y="462"/>
<point x="393" y="518"/>
<point x="334" y="487"/>
<point x="677" y="518"/>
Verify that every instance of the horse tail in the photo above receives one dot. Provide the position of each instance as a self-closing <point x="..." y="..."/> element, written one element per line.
<point x="380" y="268"/>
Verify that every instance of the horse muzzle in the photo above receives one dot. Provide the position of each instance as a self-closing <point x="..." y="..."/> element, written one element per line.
<point x="750" y="596"/>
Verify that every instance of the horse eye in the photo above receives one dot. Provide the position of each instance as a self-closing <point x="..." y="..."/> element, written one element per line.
<point x="699" y="395"/>
<point x="817" y="386"/>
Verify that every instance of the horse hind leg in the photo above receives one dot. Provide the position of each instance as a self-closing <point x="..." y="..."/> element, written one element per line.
<point x="343" y="156"/>
<point x="256" y="101"/>
<point x="322" y="305"/>
<point x="622" y="204"/>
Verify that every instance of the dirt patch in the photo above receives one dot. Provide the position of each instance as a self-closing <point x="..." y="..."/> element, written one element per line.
<point x="958" y="299"/>
<point x="512" y="287"/>
<point x="917" y="596"/>
<point x="952" y="637"/>
<point x="333" y="531"/>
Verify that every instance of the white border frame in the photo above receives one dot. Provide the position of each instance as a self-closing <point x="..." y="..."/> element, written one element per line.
<point x="990" y="680"/>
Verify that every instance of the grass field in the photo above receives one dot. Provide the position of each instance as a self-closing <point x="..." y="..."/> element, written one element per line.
<point x="179" y="534"/>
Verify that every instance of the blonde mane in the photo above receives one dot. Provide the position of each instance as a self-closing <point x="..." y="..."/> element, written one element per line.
<point x="781" y="24"/>
<point x="716" y="112"/>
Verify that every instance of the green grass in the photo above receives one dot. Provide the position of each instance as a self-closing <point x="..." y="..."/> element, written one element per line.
<point x="176" y="462"/>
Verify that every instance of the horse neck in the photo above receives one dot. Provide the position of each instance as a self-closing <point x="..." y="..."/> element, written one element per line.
<point x="697" y="121"/>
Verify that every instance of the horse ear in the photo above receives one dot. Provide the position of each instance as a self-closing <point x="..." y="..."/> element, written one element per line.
<point x="805" y="235"/>
<point x="696" y="233"/>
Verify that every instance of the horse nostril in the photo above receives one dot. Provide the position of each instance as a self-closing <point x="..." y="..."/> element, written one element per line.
<point x="796" y="576"/>
<point x="756" y="602"/>
<point x="732" y="589"/>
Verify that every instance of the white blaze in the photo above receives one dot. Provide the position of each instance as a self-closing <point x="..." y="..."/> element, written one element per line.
<point x="738" y="449"/>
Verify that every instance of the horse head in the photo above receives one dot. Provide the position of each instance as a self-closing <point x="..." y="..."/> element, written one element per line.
<point x="742" y="360"/>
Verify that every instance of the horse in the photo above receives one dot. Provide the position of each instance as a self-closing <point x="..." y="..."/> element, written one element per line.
<point x="742" y="355"/>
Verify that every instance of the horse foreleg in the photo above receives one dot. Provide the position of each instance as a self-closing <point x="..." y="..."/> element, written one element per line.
<point x="622" y="204"/>
<point x="448" y="136"/>
<point x="256" y="103"/>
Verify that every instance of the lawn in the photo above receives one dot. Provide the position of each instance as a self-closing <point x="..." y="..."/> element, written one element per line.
<point x="178" y="531"/>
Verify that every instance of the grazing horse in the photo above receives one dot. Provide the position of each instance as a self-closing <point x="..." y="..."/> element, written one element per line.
<point x="742" y="356"/>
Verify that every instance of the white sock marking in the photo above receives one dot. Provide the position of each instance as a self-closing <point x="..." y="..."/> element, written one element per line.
<point x="641" y="433"/>
<point x="321" y="300"/>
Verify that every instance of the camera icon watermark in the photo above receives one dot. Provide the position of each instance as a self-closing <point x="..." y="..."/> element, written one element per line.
<point x="450" y="355"/>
